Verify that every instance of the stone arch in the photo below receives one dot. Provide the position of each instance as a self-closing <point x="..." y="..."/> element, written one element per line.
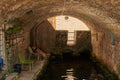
<point x="99" y="15"/>
<point x="79" y="9"/>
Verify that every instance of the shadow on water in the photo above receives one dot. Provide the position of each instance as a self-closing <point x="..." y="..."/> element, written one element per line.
<point x="69" y="67"/>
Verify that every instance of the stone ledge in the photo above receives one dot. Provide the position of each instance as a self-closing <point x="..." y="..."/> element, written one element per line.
<point x="28" y="75"/>
<point x="12" y="76"/>
<point x="32" y="75"/>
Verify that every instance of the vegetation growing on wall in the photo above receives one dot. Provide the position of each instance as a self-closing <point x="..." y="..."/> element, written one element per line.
<point x="13" y="38"/>
<point x="15" y="28"/>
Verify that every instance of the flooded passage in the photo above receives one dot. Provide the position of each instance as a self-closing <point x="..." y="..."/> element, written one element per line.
<point x="71" y="68"/>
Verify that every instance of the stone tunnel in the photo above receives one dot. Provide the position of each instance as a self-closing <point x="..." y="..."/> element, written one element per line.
<point x="102" y="17"/>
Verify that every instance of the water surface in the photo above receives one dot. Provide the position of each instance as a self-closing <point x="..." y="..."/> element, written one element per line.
<point x="74" y="68"/>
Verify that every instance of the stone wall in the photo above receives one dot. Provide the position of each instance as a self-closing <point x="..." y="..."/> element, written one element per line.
<point x="43" y="36"/>
<point x="83" y="42"/>
<point x="61" y="38"/>
<point x="60" y="41"/>
<point x="107" y="52"/>
<point x="17" y="42"/>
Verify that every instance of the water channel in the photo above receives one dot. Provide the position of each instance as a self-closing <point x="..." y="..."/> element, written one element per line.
<point x="72" y="68"/>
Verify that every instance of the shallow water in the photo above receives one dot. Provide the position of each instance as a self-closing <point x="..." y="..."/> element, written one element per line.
<point x="77" y="68"/>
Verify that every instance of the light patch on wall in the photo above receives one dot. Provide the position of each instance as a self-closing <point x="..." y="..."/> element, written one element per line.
<point x="68" y="23"/>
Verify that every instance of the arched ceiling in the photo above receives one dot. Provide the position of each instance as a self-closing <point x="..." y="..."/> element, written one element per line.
<point x="102" y="15"/>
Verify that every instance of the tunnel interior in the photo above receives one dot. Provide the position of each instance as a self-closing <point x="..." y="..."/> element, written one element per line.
<point x="101" y="17"/>
<point x="53" y="41"/>
<point x="61" y="53"/>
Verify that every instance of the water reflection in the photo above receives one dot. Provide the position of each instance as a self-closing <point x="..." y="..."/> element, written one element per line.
<point x="69" y="75"/>
<point x="71" y="69"/>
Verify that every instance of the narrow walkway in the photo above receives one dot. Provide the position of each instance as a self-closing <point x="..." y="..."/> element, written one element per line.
<point x="30" y="75"/>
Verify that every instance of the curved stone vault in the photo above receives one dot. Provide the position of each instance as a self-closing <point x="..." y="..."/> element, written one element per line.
<point x="101" y="13"/>
<point x="101" y="16"/>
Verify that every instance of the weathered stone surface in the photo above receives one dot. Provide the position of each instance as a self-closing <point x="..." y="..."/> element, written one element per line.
<point x="101" y="16"/>
<point x="43" y="36"/>
<point x="82" y="42"/>
<point x="107" y="52"/>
